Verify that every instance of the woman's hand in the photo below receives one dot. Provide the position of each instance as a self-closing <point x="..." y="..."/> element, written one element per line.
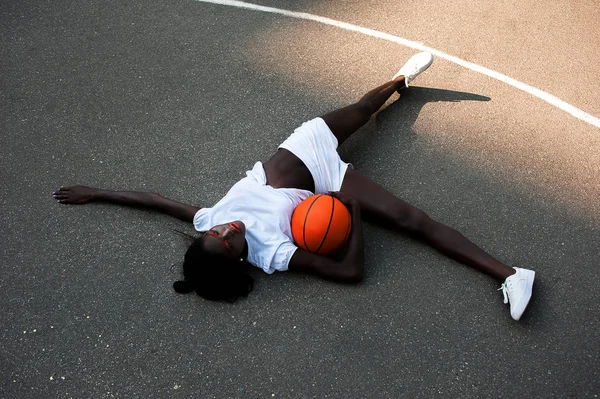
<point x="347" y="200"/>
<point x="75" y="194"/>
<point x="350" y="268"/>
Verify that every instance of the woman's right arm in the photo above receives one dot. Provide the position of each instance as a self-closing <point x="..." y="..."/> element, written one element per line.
<point x="154" y="201"/>
<point x="350" y="268"/>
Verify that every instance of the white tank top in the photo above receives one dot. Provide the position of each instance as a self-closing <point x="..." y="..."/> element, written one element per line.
<point x="266" y="212"/>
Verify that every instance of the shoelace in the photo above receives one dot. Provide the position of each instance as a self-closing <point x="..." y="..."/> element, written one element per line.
<point x="504" y="288"/>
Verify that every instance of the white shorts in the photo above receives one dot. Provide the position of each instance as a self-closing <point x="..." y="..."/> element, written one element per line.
<point x="315" y="145"/>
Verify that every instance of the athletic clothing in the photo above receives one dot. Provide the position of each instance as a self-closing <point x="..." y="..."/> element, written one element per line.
<point x="316" y="146"/>
<point x="267" y="211"/>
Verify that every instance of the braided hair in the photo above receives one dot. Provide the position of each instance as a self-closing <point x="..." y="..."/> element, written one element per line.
<point x="213" y="277"/>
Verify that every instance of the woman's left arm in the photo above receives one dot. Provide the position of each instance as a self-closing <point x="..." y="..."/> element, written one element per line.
<point x="136" y="199"/>
<point x="350" y="268"/>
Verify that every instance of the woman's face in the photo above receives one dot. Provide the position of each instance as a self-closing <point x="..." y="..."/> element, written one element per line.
<point x="228" y="239"/>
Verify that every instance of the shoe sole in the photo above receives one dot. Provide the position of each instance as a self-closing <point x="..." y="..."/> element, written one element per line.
<point x="524" y="301"/>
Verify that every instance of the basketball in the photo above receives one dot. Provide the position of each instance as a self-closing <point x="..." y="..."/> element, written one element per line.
<point x="321" y="224"/>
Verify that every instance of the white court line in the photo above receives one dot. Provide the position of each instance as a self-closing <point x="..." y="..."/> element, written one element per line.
<point x="547" y="97"/>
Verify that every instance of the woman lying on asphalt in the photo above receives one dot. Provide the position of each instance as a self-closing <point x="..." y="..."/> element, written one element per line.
<point x="251" y="224"/>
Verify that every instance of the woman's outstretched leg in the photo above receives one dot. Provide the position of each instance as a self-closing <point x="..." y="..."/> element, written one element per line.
<point x="345" y="121"/>
<point x="385" y="208"/>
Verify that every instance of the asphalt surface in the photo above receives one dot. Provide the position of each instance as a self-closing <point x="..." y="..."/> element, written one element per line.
<point x="182" y="97"/>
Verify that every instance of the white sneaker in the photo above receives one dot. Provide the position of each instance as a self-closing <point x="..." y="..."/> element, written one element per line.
<point x="517" y="291"/>
<point x="414" y="66"/>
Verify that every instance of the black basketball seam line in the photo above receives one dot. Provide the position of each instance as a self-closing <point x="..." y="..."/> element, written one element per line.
<point x="329" y="225"/>
<point x="306" y="217"/>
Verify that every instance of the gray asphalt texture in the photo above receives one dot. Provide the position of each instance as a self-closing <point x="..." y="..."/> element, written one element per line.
<point x="183" y="97"/>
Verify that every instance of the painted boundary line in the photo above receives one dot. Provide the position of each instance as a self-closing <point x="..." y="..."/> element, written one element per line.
<point x="547" y="97"/>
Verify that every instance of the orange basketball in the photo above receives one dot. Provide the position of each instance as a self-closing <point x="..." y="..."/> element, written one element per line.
<point x="321" y="224"/>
